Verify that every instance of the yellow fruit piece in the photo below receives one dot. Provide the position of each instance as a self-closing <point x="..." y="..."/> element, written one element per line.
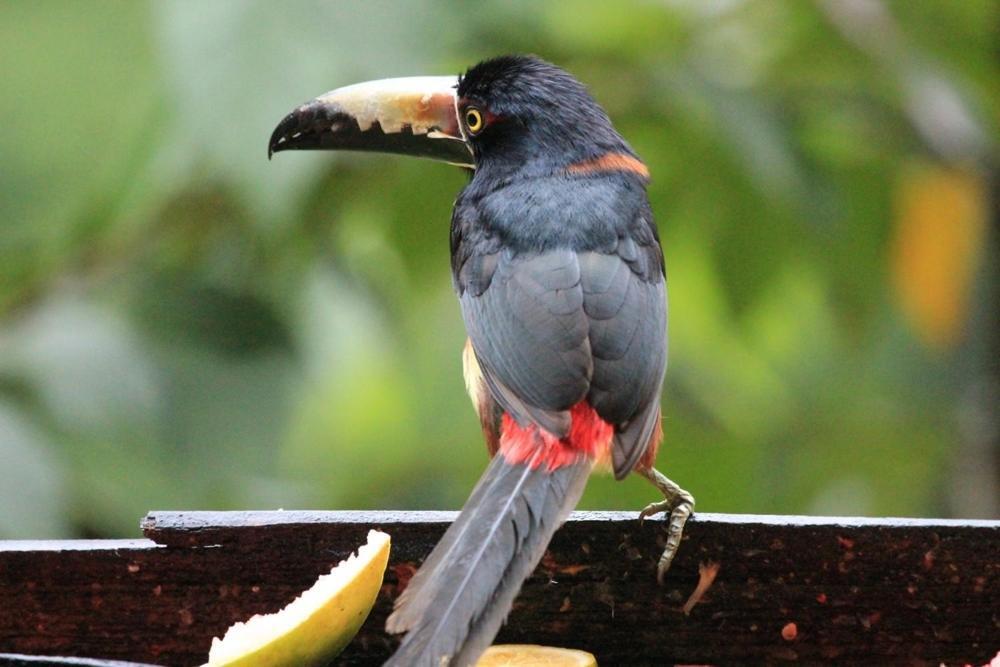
<point x="942" y="219"/>
<point x="522" y="655"/>
<point x="318" y="624"/>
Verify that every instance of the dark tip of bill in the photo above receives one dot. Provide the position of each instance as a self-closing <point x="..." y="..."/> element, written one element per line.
<point x="288" y="125"/>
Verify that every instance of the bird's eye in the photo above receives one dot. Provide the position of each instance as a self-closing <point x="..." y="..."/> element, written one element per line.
<point x="473" y="120"/>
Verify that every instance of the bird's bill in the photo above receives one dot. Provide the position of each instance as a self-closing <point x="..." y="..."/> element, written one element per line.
<point x="410" y="116"/>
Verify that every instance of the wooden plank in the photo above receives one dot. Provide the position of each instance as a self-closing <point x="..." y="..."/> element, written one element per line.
<point x="788" y="588"/>
<point x="23" y="660"/>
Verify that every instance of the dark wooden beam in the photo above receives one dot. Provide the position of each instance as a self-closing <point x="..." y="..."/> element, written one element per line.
<point x="787" y="588"/>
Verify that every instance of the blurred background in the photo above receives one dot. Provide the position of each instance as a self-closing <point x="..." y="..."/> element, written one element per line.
<point x="184" y="324"/>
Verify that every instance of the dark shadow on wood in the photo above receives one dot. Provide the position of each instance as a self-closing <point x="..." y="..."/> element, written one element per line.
<point x="788" y="588"/>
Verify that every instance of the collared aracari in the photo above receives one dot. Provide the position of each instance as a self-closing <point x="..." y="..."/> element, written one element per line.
<point x="559" y="273"/>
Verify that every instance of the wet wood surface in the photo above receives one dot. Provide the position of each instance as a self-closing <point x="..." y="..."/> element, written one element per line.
<point x="808" y="589"/>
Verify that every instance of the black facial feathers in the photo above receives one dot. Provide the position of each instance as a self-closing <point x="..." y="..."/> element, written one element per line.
<point x="543" y="116"/>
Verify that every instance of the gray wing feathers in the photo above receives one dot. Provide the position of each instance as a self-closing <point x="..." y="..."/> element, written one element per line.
<point x="627" y="318"/>
<point x="530" y="338"/>
<point x="555" y="328"/>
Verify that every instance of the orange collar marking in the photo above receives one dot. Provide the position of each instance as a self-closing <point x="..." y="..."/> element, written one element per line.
<point x="610" y="162"/>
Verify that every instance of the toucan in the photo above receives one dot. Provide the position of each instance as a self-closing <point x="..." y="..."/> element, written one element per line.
<point x="559" y="273"/>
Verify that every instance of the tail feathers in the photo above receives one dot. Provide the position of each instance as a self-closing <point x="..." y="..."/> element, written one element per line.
<point x="455" y="605"/>
<point x="414" y="601"/>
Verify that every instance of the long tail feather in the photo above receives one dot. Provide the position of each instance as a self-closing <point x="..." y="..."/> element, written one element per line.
<point x="455" y="605"/>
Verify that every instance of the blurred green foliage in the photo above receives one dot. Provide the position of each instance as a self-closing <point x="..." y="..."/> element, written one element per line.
<point x="186" y="325"/>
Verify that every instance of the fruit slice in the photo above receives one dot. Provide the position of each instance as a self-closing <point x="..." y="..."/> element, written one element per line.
<point x="521" y="655"/>
<point x="315" y="626"/>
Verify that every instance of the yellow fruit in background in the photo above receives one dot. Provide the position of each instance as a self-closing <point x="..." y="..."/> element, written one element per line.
<point x="941" y="221"/>
<point x="318" y="624"/>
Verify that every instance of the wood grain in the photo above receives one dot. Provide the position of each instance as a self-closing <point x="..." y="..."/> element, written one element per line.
<point x="850" y="591"/>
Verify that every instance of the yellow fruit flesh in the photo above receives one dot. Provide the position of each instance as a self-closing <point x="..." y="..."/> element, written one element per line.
<point x="318" y="624"/>
<point x="522" y="655"/>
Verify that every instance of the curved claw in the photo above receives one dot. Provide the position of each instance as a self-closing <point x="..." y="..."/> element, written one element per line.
<point x="679" y="504"/>
<point x="652" y="509"/>
<point x="675" y="530"/>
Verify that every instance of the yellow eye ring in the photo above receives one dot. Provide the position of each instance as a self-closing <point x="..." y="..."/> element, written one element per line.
<point x="473" y="120"/>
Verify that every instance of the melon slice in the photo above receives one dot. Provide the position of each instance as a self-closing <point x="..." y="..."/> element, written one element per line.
<point x="523" y="655"/>
<point x="318" y="624"/>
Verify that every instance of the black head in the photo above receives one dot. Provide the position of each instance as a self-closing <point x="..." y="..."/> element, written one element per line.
<point x="523" y="114"/>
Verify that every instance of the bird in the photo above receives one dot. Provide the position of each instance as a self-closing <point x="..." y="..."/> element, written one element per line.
<point x="559" y="272"/>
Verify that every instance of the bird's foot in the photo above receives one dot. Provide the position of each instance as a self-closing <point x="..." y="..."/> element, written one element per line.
<point x="679" y="504"/>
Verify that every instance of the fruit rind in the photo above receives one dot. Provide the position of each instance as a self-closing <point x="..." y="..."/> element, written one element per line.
<point x="315" y="626"/>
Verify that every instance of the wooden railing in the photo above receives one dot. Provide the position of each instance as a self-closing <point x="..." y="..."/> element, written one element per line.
<point x="811" y="589"/>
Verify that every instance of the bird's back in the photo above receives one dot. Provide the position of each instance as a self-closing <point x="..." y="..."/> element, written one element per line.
<point x="562" y="289"/>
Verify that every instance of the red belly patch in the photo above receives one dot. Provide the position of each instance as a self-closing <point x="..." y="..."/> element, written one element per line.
<point x="589" y="437"/>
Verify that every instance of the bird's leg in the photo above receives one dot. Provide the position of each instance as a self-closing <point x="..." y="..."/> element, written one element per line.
<point x="678" y="503"/>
